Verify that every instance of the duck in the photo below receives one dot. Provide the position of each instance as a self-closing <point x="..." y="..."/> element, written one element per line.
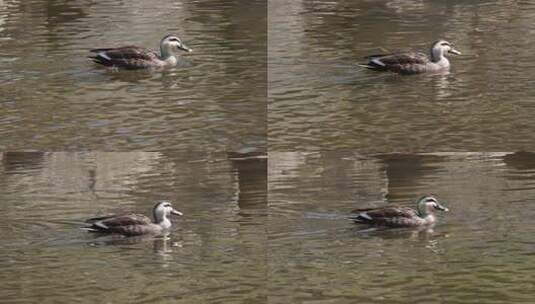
<point x="414" y="62"/>
<point x="132" y="224"/>
<point x="399" y="216"/>
<point x="134" y="57"/>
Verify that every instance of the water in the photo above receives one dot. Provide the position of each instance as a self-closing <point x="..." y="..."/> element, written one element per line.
<point x="302" y="92"/>
<point x="482" y="251"/>
<point x="231" y="246"/>
<point x="52" y="97"/>
<point x="215" y="253"/>
<point x="319" y="99"/>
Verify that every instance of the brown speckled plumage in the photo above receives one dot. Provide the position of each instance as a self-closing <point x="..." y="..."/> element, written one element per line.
<point x="398" y="216"/>
<point x="134" y="57"/>
<point x="413" y="62"/>
<point x="406" y="63"/>
<point x="134" y="224"/>
<point x="128" y="57"/>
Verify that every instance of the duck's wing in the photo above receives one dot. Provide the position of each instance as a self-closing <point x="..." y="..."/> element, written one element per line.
<point x="408" y="62"/>
<point x="117" y="223"/>
<point x="131" y="57"/>
<point x="382" y="215"/>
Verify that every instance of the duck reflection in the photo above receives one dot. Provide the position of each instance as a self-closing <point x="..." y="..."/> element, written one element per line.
<point x="162" y="244"/>
<point x="414" y="233"/>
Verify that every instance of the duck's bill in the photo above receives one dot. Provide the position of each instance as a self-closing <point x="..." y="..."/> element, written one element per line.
<point x="175" y="212"/>
<point x="185" y="48"/>
<point x="454" y="51"/>
<point x="442" y="208"/>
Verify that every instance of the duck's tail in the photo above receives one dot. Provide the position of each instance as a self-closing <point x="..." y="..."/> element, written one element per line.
<point x="374" y="63"/>
<point x="100" y="57"/>
<point x="101" y="60"/>
<point x="360" y="216"/>
<point x="95" y="224"/>
<point x="90" y="229"/>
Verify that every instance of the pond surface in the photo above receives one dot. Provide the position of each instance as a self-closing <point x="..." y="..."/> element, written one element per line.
<point x="53" y="97"/>
<point x="215" y="253"/>
<point x="482" y="251"/>
<point x="320" y="99"/>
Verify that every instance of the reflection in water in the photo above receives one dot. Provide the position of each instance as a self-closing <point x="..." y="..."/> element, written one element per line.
<point x="406" y="172"/>
<point x="520" y="160"/>
<point x="482" y="245"/>
<point x="319" y="99"/>
<point x="56" y="98"/>
<point x="252" y="185"/>
<point x="215" y="252"/>
<point x="14" y="161"/>
<point x="443" y="87"/>
<point x="162" y="245"/>
<point x="423" y="233"/>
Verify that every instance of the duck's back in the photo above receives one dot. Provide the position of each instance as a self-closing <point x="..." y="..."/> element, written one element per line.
<point x="129" y="57"/>
<point x="127" y="224"/>
<point x="393" y="216"/>
<point x="403" y="63"/>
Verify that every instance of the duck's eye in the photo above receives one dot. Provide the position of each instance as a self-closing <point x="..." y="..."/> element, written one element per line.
<point x="445" y="44"/>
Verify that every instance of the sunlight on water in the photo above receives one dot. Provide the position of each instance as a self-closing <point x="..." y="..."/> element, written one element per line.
<point x="215" y="252"/>
<point x="319" y="99"/>
<point x="55" y="98"/>
<point x="482" y="250"/>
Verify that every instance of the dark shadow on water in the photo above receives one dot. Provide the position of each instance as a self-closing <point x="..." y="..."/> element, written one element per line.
<point x="521" y="160"/>
<point x="252" y="180"/>
<point x="15" y="161"/>
<point x="406" y="172"/>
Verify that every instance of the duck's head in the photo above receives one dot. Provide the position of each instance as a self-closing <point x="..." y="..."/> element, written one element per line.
<point x="441" y="48"/>
<point x="171" y="44"/>
<point x="162" y="210"/>
<point x="428" y="204"/>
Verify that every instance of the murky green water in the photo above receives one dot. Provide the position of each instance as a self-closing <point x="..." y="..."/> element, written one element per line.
<point x="253" y="232"/>
<point x="232" y="246"/>
<point x="52" y="97"/>
<point x="482" y="251"/>
<point x="215" y="254"/>
<point x="320" y="100"/>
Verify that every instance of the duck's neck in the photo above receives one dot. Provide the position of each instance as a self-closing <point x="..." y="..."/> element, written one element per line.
<point x="425" y="213"/>
<point x="429" y="218"/>
<point x="170" y="60"/>
<point x="167" y="55"/>
<point x="162" y="221"/>
<point x="437" y="55"/>
<point x="165" y="223"/>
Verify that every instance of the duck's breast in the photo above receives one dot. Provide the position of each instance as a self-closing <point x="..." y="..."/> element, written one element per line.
<point x="442" y="65"/>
